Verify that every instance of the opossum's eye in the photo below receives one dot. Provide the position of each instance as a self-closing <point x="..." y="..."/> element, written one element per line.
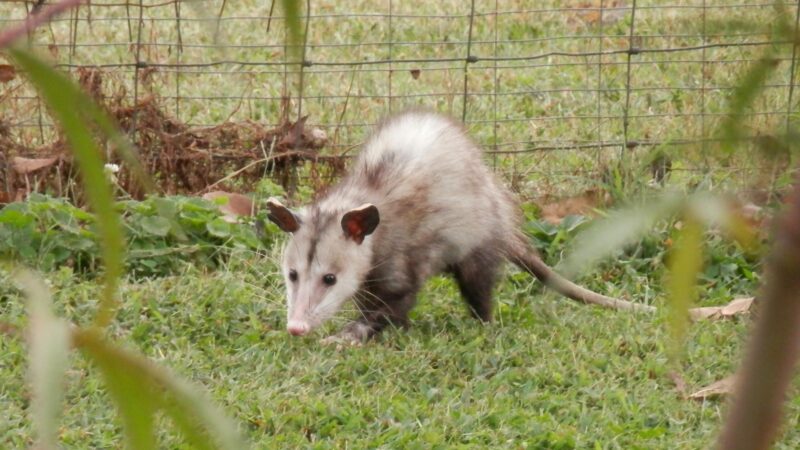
<point x="293" y="275"/>
<point x="329" y="279"/>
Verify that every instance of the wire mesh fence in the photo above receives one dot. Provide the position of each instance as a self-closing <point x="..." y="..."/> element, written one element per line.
<point x="557" y="92"/>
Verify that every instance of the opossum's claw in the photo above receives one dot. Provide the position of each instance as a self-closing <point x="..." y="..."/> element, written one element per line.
<point x="354" y="335"/>
<point x="341" y="341"/>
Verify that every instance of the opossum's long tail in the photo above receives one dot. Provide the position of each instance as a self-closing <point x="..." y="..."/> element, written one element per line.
<point x="524" y="256"/>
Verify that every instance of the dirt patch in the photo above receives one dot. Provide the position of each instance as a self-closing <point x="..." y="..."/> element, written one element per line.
<point x="180" y="159"/>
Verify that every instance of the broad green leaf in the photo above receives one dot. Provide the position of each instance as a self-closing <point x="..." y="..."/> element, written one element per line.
<point x="166" y="207"/>
<point x="571" y="222"/>
<point x="247" y="236"/>
<point x="199" y="205"/>
<point x="221" y="200"/>
<point x="685" y="264"/>
<point x="14" y="217"/>
<point x="62" y="96"/>
<point x="605" y="236"/>
<point x="139" y="388"/>
<point x="64" y="218"/>
<point x="156" y="225"/>
<point x="48" y="359"/>
<point x="541" y="228"/>
<point x="219" y="228"/>
<point x="36" y="197"/>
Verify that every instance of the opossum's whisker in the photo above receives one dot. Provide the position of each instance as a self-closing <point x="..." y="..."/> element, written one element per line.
<point x="361" y="310"/>
<point x="323" y="313"/>
<point x="362" y="293"/>
<point x="373" y="280"/>
<point x="384" y="261"/>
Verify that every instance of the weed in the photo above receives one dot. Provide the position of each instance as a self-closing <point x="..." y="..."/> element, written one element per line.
<point x="162" y="234"/>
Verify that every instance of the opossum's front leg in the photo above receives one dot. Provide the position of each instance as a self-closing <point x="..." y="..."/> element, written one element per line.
<point x="376" y="313"/>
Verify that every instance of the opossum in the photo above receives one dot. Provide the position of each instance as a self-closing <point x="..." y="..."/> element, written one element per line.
<point x="418" y="201"/>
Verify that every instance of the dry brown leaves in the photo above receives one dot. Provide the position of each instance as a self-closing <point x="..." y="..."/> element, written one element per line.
<point x="726" y="385"/>
<point x="554" y="210"/>
<point x="717" y="389"/>
<point x="24" y="166"/>
<point x="7" y="73"/>
<point x="234" y="206"/>
<point x="590" y="13"/>
<point x="184" y="159"/>
<point x="735" y="307"/>
<point x="713" y="391"/>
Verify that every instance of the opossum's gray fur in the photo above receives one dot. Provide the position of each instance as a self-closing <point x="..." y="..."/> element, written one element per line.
<point x="437" y="208"/>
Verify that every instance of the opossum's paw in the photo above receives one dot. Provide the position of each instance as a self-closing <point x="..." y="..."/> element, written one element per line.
<point x="340" y="341"/>
<point x="354" y="335"/>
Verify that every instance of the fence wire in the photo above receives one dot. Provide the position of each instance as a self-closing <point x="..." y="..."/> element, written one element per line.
<point x="555" y="91"/>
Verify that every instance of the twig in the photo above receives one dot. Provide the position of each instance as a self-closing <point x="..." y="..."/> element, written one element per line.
<point x="255" y="163"/>
<point x="34" y="20"/>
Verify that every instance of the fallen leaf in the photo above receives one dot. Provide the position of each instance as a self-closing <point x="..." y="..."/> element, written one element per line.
<point x="25" y="166"/>
<point x="591" y="13"/>
<point x="755" y="216"/>
<point x="554" y="210"/>
<point x="53" y="50"/>
<point x="751" y="210"/>
<point x="294" y="136"/>
<point x="735" y="307"/>
<point x="235" y="206"/>
<point x="415" y="73"/>
<point x="717" y="389"/>
<point x="7" y="73"/>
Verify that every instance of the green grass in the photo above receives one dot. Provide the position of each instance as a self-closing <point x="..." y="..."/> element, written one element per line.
<point x="547" y="374"/>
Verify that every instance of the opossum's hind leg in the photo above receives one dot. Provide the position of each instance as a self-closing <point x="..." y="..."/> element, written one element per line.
<point x="476" y="276"/>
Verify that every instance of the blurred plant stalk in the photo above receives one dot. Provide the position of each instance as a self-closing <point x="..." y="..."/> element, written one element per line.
<point x="766" y="373"/>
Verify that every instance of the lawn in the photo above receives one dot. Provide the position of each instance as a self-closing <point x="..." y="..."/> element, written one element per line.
<point x="546" y="374"/>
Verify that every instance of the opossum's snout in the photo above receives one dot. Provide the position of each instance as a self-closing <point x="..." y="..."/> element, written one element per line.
<point x="299" y="322"/>
<point x="298" y="327"/>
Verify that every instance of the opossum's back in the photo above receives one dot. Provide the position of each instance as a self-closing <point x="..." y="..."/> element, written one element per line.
<point x="416" y="143"/>
<point x="433" y="180"/>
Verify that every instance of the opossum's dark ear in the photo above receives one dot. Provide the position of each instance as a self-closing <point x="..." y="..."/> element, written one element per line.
<point x="281" y="216"/>
<point x="360" y="222"/>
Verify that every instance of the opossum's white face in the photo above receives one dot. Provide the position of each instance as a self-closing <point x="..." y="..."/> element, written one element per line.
<point x="324" y="262"/>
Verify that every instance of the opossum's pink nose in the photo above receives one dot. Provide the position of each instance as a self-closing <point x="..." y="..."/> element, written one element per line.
<point x="297" y="328"/>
